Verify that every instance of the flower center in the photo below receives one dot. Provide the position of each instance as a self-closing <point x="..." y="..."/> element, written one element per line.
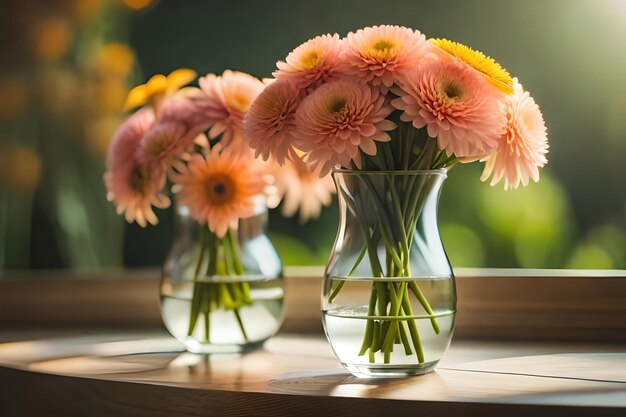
<point x="450" y="90"/>
<point x="336" y="105"/>
<point x="311" y="60"/>
<point x="453" y="91"/>
<point x="240" y="102"/>
<point x="158" y="144"/>
<point x="383" y="45"/>
<point x="382" y="50"/>
<point x="138" y="179"/>
<point x="220" y="189"/>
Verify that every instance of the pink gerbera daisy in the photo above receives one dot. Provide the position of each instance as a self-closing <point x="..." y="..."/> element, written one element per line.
<point x="134" y="186"/>
<point x="457" y="106"/>
<point x="522" y="149"/>
<point x="226" y="99"/>
<point x="302" y="189"/>
<point x="311" y="63"/>
<point x="382" y="53"/>
<point x="338" y="119"/>
<point x="178" y="123"/>
<point x="219" y="187"/>
<point x="270" y="122"/>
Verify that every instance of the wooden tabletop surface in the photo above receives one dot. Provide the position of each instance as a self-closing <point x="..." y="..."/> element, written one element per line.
<point x="119" y="373"/>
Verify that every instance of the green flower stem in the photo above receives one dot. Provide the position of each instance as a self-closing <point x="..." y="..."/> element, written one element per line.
<point x="396" y="301"/>
<point x="198" y="287"/>
<point x="397" y="209"/>
<point x="406" y="306"/>
<point x="245" y="290"/>
<point x="375" y="345"/>
<point x="404" y="249"/>
<point x="335" y="291"/>
<point x="223" y="258"/>
<point x="387" y="239"/>
<point x="234" y="247"/>
<point x="425" y="160"/>
<point x="403" y="336"/>
<point x="420" y="296"/>
<point x="369" y="325"/>
<point x="207" y="325"/>
<point x="243" y="330"/>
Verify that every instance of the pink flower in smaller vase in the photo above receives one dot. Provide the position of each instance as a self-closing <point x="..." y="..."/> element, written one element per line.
<point x="457" y="106"/>
<point x="302" y="189"/>
<point x="178" y="123"/>
<point x="270" y="122"/>
<point x="382" y="53"/>
<point x="339" y="119"/>
<point x="311" y="63"/>
<point x="133" y="186"/>
<point x="522" y="149"/>
<point x="219" y="187"/>
<point x="226" y="100"/>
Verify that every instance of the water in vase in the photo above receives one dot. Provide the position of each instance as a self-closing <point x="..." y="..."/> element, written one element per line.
<point x="228" y="329"/>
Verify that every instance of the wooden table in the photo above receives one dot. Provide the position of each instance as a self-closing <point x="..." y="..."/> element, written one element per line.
<point x="145" y="373"/>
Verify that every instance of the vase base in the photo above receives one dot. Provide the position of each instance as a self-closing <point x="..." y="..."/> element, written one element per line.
<point x="193" y="346"/>
<point x="389" y="371"/>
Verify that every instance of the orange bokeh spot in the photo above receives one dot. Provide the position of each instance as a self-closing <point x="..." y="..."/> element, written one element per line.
<point x="115" y="60"/>
<point x="21" y="168"/>
<point x="137" y="4"/>
<point x="51" y="39"/>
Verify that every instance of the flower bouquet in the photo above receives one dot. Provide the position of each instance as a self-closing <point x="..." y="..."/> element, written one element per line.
<point x="222" y="286"/>
<point x="392" y="113"/>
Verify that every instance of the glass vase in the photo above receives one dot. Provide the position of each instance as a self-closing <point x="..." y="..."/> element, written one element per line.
<point x="389" y="296"/>
<point x="222" y="294"/>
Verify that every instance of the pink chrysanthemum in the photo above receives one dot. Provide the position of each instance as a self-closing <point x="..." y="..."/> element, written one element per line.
<point x="178" y="123"/>
<point x="381" y="54"/>
<point x="270" y="122"/>
<point x="522" y="149"/>
<point x="337" y="120"/>
<point x="226" y="100"/>
<point x="311" y="63"/>
<point x="133" y="186"/>
<point x="457" y="106"/>
<point x="219" y="187"/>
<point x="302" y="189"/>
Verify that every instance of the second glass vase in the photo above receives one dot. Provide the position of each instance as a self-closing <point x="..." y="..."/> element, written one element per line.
<point x="222" y="294"/>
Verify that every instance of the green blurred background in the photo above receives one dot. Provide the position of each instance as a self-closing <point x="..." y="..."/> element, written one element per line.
<point x="65" y="67"/>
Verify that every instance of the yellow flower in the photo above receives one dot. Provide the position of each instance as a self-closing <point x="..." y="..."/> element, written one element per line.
<point x="51" y="39"/>
<point x="158" y="87"/>
<point x="115" y="60"/>
<point x="20" y="168"/>
<point x="490" y="69"/>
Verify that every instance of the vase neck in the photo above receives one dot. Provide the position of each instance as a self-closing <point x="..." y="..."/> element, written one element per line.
<point x="390" y="220"/>
<point x="380" y="198"/>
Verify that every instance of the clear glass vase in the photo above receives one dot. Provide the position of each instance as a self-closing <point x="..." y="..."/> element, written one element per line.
<point x="389" y="296"/>
<point x="222" y="294"/>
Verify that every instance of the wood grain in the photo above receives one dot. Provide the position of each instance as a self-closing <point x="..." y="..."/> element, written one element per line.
<point x="138" y="374"/>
